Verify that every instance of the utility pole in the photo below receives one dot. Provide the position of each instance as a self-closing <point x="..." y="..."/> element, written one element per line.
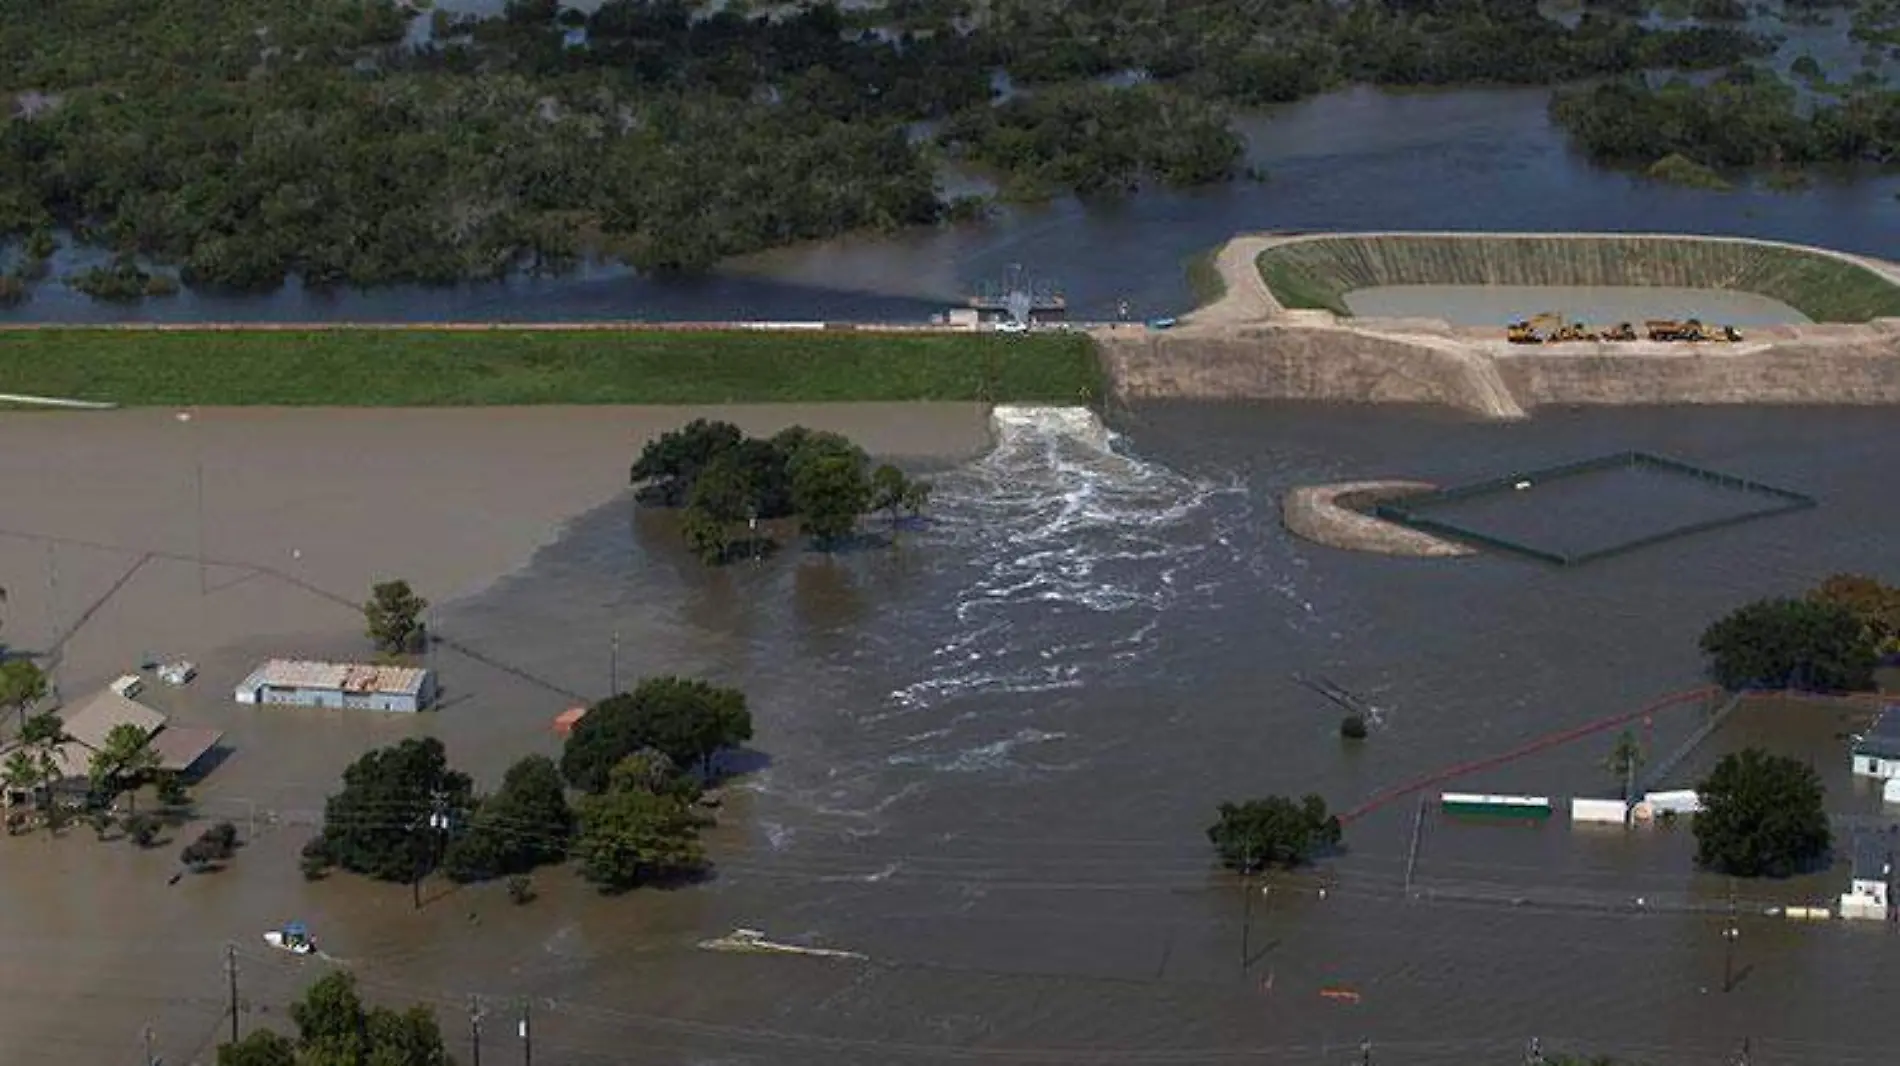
<point x="475" y="1031"/>
<point x="1730" y="933"/>
<point x="1741" y="1057"/>
<point x="1534" y="1054"/>
<point x="230" y="970"/>
<point x="436" y="823"/>
<point x="1246" y="914"/>
<point x="613" y="666"/>
<point x="149" y="1059"/>
<point x="527" y="1045"/>
<point x="1365" y="1052"/>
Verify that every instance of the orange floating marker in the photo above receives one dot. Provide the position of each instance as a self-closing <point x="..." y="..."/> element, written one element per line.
<point x="1340" y="995"/>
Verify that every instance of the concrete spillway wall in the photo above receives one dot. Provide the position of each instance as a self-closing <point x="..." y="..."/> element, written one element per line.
<point x="1317" y="272"/>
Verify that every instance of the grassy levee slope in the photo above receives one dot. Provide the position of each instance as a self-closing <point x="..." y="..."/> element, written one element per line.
<point x="1319" y="273"/>
<point x="423" y="368"/>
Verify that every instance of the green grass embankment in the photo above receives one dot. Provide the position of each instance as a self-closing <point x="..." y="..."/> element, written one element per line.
<point x="1319" y="273"/>
<point x="1203" y="277"/>
<point x="422" y="368"/>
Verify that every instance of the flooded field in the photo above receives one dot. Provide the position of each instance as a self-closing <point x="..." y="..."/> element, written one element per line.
<point x="1496" y="305"/>
<point x="985" y="759"/>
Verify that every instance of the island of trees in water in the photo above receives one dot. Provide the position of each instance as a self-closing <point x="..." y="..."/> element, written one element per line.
<point x="243" y="141"/>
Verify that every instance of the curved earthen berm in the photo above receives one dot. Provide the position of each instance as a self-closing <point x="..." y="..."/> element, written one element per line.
<point x="1249" y="345"/>
<point x="1330" y="515"/>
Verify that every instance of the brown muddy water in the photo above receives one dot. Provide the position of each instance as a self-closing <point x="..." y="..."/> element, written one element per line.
<point x="986" y="758"/>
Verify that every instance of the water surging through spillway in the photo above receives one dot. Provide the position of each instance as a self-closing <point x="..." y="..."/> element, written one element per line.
<point x="1078" y="548"/>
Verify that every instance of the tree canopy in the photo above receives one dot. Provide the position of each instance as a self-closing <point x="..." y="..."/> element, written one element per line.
<point x="1787" y="643"/>
<point x="1274" y="831"/>
<point x="632" y="832"/>
<point x="240" y="142"/>
<point x="525" y="824"/>
<point x="377" y="825"/>
<point x="688" y="721"/>
<point x="394" y="617"/>
<point x="334" y="1028"/>
<point x="1762" y="816"/>
<point x="1875" y="604"/>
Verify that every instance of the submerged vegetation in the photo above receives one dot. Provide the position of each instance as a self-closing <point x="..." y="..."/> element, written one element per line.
<point x="239" y="142"/>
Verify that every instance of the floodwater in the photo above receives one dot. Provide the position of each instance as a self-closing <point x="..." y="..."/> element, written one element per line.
<point x="1606" y="305"/>
<point x="1358" y="159"/>
<point x="985" y="759"/>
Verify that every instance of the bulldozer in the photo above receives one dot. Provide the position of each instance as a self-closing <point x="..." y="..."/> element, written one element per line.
<point x="1575" y="331"/>
<point x="1522" y="333"/>
<point x="1623" y="331"/>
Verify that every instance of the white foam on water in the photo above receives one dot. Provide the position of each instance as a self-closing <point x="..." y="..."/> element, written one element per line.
<point x="1063" y="523"/>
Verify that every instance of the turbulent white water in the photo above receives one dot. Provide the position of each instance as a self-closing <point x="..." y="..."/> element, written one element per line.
<point x="1064" y="532"/>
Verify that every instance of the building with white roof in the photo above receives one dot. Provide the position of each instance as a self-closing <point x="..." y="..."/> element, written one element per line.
<point x="302" y="683"/>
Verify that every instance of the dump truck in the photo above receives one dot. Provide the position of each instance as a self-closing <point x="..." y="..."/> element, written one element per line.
<point x="1669" y="329"/>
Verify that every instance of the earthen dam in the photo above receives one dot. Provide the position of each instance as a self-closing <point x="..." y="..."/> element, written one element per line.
<point x="1348" y="318"/>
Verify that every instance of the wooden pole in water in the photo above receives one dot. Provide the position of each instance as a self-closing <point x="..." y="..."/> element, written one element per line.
<point x="230" y="969"/>
<point x="1246" y="915"/>
<point x="475" y="1031"/>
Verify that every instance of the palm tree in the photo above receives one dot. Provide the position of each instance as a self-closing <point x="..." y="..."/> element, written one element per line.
<point x="21" y="772"/>
<point x="123" y="760"/>
<point x="41" y="737"/>
<point x="22" y="684"/>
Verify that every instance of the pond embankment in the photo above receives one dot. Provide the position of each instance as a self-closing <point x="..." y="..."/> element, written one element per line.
<point x="1332" y="515"/>
<point x="1280" y="331"/>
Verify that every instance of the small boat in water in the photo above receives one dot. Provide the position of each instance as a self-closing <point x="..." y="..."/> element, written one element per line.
<point x="294" y="937"/>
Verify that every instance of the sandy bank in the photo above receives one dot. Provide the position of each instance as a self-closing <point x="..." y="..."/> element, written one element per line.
<point x="1329" y="515"/>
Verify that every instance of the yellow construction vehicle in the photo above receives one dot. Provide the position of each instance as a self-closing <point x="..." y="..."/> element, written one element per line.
<point x="1731" y="334"/>
<point x="1522" y="333"/>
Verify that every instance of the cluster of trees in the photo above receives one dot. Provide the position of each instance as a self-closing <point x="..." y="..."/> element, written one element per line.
<point x="1276" y="831"/>
<point x="1762" y="816"/>
<point x="724" y="479"/>
<point x="245" y="141"/>
<point x="1830" y="640"/>
<point x="1748" y="117"/>
<point x="639" y="761"/>
<point x="1094" y="139"/>
<point x="334" y="1028"/>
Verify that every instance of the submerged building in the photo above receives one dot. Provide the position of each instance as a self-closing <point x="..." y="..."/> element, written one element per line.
<point x="352" y="686"/>
<point x="1877" y="754"/>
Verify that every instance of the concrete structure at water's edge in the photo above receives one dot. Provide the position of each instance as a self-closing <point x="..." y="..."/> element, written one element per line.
<point x="1877" y="753"/>
<point x="296" y="683"/>
<point x="1284" y="328"/>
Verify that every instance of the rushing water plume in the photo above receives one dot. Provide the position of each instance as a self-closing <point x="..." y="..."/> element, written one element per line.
<point x="1063" y="525"/>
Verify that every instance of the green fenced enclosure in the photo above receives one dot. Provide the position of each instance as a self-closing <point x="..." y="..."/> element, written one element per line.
<point x="1580" y="512"/>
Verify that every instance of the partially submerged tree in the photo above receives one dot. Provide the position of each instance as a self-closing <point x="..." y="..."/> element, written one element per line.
<point x="378" y="825"/>
<point x="394" y="618"/>
<point x="525" y="824"/>
<point x="1762" y="816"/>
<point x="1274" y="831"/>
<point x="688" y="720"/>
<point x="831" y="488"/>
<point x="215" y="845"/>
<point x="123" y="762"/>
<point x="630" y="835"/>
<point x="1800" y="644"/>
<point x="669" y="465"/>
<point x="22" y="684"/>
<point x="334" y="1028"/>
<point x="1874" y="603"/>
<point x="895" y="494"/>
